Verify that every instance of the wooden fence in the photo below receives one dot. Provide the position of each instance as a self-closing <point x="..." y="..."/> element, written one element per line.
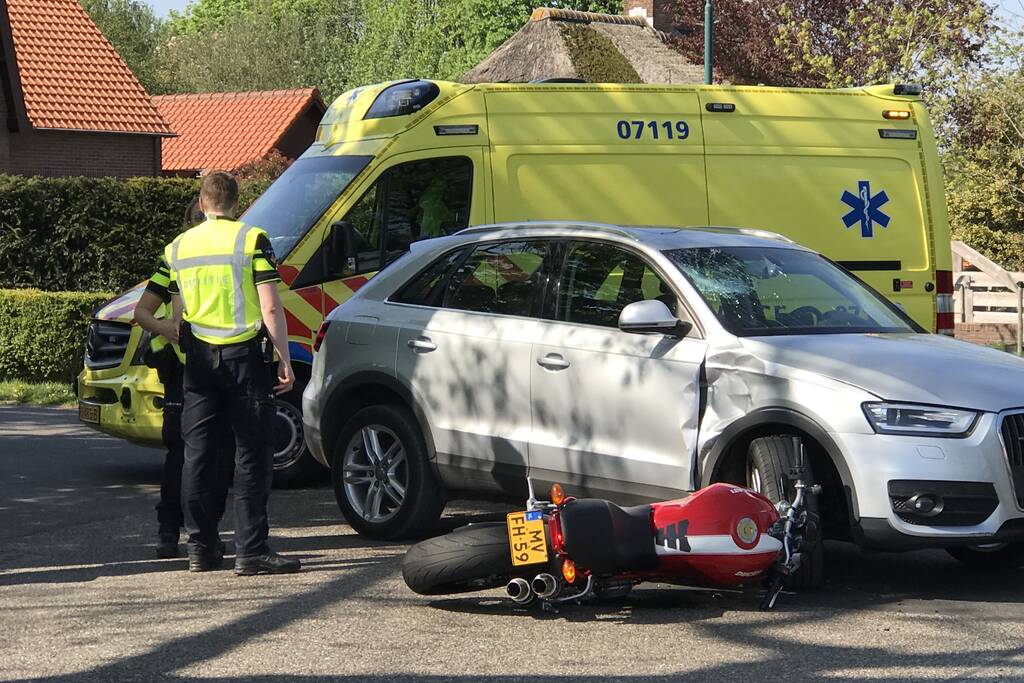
<point x="986" y="293"/>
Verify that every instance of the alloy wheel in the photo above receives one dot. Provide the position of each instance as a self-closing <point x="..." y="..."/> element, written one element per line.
<point x="753" y="476"/>
<point x="375" y="473"/>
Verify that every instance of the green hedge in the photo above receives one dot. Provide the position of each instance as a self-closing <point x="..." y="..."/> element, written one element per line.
<point x="42" y="334"/>
<point x="90" y="234"/>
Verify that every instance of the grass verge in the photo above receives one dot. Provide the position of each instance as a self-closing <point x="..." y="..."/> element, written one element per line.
<point x="36" y="393"/>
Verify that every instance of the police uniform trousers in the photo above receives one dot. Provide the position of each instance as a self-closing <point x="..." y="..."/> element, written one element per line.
<point x="169" y="513"/>
<point x="230" y="382"/>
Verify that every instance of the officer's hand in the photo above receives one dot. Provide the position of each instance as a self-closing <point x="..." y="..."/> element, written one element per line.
<point x="169" y="329"/>
<point x="285" y="378"/>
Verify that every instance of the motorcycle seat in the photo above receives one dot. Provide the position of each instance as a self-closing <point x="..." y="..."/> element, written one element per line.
<point x="605" y="538"/>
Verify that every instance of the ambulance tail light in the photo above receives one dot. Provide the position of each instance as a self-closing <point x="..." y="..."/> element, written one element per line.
<point x="944" y="322"/>
<point x="320" y="334"/>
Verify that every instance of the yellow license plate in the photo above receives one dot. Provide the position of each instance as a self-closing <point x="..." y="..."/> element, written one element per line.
<point x="526" y="538"/>
<point x="88" y="412"/>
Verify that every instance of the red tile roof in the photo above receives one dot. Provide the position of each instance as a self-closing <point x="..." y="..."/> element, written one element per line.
<point x="227" y="130"/>
<point x="71" y="76"/>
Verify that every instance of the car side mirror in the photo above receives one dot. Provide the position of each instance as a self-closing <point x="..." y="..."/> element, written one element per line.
<point x="342" y="253"/>
<point x="652" y="317"/>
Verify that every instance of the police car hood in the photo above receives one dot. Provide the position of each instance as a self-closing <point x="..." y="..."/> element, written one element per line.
<point x="121" y="308"/>
<point x="921" y="368"/>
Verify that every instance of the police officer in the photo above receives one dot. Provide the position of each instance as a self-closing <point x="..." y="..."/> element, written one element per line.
<point x="165" y="356"/>
<point x="223" y="285"/>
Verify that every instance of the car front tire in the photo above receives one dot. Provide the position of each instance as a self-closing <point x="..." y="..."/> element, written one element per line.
<point x="993" y="556"/>
<point x="769" y="461"/>
<point x="382" y="479"/>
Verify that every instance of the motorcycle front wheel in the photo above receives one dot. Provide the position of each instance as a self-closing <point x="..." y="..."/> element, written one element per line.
<point x="473" y="558"/>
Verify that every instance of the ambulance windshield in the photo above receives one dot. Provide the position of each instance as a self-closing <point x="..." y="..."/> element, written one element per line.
<point x="758" y="291"/>
<point x="296" y="200"/>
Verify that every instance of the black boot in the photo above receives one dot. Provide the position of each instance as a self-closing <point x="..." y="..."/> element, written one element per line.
<point x="206" y="560"/>
<point x="167" y="545"/>
<point x="268" y="563"/>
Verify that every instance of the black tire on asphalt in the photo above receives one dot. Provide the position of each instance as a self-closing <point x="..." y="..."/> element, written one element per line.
<point x="304" y="468"/>
<point x="977" y="557"/>
<point x="468" y="559"/>
<point x="773" y="457"/>
<point x="423" y="502"/>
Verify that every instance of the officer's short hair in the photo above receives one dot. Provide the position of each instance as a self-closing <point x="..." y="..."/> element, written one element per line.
<point x="219" y="192"/>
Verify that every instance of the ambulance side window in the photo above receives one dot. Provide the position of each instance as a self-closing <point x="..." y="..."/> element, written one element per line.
<point x="365" y="218"/>
<point x="426" y="198"/>
<point x="410" y="202"/>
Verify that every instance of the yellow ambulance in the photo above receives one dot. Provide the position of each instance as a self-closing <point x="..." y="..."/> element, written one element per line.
<point x="851" y="173"/>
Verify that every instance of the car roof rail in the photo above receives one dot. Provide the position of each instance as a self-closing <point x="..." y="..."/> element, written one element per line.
<point x="582" y="225"/>
<point x="751" y="232"/>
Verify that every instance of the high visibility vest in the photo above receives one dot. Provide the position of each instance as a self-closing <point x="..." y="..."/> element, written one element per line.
<point x="213" y="266"/>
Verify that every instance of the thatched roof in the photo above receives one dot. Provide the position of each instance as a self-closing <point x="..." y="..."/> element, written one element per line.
<point x="598" y="48"/>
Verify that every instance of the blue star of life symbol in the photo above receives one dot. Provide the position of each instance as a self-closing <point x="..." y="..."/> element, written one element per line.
<point x="864" y="209"/>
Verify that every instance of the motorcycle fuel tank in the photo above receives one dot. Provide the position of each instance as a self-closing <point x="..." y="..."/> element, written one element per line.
<point x="718" y="535"/>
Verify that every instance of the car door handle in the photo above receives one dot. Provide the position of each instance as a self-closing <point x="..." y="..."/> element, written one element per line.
<point x="553" y="361"/>
<point x="422" y="345"/>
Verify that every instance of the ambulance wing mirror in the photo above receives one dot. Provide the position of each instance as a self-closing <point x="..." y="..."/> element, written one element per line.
<point x="342" y="252"/>
<point x="652" y="316"/>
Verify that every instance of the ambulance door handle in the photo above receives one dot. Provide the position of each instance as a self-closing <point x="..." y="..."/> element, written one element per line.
<point x="422" y="345"/>
<point x="553" y="361"/>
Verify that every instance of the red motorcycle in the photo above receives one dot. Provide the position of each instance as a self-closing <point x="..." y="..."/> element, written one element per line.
<point x="569" y="550"/>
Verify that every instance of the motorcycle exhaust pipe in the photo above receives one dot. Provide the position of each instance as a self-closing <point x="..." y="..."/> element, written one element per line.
<point x="519" y="590"/>
<point x="545" y="586"/>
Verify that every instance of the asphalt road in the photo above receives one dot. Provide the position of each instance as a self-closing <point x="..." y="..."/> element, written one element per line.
<point x="82" y="598"/>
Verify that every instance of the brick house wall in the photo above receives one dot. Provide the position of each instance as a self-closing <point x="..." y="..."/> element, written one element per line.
<point x="5" y="145"/>
<point x="658" y="13"/>
<point x="78" y="153"/>
<point x="987" y="333"/>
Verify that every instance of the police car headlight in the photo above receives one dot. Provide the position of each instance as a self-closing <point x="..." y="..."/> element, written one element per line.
<point x="918" y="420"/>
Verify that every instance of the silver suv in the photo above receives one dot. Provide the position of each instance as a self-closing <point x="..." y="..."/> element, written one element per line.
<point x="641" y="363"/>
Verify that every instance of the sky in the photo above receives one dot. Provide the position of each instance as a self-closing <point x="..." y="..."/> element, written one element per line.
<point x="162" y="7"/>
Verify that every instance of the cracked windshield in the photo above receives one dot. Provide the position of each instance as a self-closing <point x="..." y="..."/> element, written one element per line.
<point x="769" y="291"/>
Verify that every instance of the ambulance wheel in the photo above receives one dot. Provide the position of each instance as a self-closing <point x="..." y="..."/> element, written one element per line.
<point x="769" y="461"/>
<point x="382" y="479"/>
<point x="294" y="465"/>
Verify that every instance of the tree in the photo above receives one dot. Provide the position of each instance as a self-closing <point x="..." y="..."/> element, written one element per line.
<point x="135" y="32"/>
<point x="838" y="43"/>
<point x="984" y="160"/>
<point x="271" y="44"/>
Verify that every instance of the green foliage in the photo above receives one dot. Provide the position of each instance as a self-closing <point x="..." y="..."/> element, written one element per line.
<point x="334" y="45"/>
<point x="36" y="393"/>
<point x="90" y="234"/>
<point x="595" y="56"/>
<point x="42" y="333"/>
<point x="135" y="32"/>
<point x="861" y="42"/>
<point x="261" y="45"/>
<point x="983" y="159"/>
<point x="398" y="39"/>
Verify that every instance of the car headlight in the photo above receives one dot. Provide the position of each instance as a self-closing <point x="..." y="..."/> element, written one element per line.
<point x="918" y="420"/>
